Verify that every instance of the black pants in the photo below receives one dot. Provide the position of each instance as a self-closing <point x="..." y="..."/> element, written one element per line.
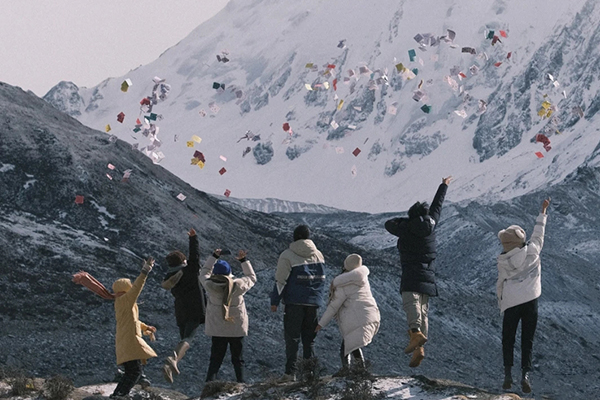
<point x="358" y="356"/>
<point x="299" y="323"/>
<point x="133" y="372"/>
<point x="527" y="313"/>
<point x="217" y="354"/>
<point x="188" y="329"/>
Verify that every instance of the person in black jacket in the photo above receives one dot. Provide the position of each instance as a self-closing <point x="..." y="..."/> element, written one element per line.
<point x="190" y="301"/>
<point x="416" y="244"/>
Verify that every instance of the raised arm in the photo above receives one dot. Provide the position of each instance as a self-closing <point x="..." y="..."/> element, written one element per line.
<point x="537" y="237"/>
<point x="194" y="261"/>
<point x="132" y="294"/>
<point x="435" y="209"/>
<point x="207" y="269"/>
<point x="249" y="278"/>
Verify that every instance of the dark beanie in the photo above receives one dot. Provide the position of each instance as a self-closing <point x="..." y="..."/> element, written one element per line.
<point x="221" y="268"/>
<point x="301" y="232"/>
<point x="175" y="258"/>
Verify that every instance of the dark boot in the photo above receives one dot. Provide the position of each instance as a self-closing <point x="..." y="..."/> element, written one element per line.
<point x="359" y="359"/>
<point x="507" y="378"/>
<point x="525" y="383"/>
<point x="239" y="373"/>
<point x="345" y="366"/>
<point x="144" y="382"/>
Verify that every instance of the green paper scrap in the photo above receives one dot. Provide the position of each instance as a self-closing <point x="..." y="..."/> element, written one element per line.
<point x="490" y="35"/>
<point x="412" y="54"/>
<point x="415" y="71"/>
<point x="426" y="109"/>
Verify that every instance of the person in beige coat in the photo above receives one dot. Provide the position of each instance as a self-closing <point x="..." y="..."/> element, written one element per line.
<point x="132" y="350"/>
<point x="355" y="309"/>
<point x="226" y="316"/>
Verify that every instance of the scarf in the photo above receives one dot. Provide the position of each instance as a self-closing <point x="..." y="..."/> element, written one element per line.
<point x="85" y="279"/>
<point x="226" y="293"/>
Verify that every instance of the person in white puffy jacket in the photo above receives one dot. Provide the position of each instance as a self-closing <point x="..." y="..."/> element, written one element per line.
<point x="226" y="315"/>
<point x="355" y="309"/>
<point x="518" y="288"/>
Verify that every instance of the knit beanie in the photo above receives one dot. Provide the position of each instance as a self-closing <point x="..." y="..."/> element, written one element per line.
<point x="221" y="268"/>
<point x="353" y="261"/>
<point x="175" y="258"/>
<point x="512" y="237"/>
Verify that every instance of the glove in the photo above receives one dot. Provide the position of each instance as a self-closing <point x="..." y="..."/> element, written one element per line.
<point x="148" y="264"/>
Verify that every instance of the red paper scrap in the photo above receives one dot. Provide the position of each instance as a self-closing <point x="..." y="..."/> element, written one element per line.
<point x="335" y="84"/>
<point x="462" y="75"/>
<point x="78" y="199"/>
<point x="509" y="55"/>
<point x="356" y="152"/>
<point x="222" y="170"/>
<point x="539" y="154"/>
<point x="503" y="34"/>
<point x="121" y="117"/>
<point x="498" y="64"/>
<point x="330" y="66"/>
<point x="227" y="193"/>
<point x="145" y="101"/>
<point x="199" y="156"/>
<point x="286" y="127"/>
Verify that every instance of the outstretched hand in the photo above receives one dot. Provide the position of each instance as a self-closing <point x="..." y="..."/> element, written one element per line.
<point x="241" y="254"/>
<point x="192" y="232"/>
<point x="148" y="264"/>
<point x="217" y="252"/>
<point x="447" y="180"/>
<point x="545" y="205"/>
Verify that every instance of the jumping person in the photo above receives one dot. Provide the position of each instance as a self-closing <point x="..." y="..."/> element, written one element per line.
<point x="190" y="304"/>
<point x="226" y="316"/>
<point x="518" y="288"/>
<point x="417" y="247"/>
<point x="300" y="284"/>
<point x="132" y="350"/>
<point x="354" y="307"/>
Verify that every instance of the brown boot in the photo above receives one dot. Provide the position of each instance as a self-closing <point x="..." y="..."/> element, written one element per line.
<point x="170" y="366"/>
<point x="417" y="339"/>
<point x="417" y="356"/>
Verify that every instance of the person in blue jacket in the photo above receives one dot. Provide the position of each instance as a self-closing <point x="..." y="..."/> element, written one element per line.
<point x="417" y="247"/>
<point x="300" y="284"/>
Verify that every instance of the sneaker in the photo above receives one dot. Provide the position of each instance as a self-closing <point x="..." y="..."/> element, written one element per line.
<point x="144" y="382"/>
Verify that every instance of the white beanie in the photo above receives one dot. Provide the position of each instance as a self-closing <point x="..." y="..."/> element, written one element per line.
<point x="512" y="237"/>
<point x="353" y="261"/>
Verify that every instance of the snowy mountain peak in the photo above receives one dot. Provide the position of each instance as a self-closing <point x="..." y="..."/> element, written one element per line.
<point x="366" y="107"/>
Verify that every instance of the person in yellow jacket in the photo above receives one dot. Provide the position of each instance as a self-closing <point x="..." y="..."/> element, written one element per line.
<point x="132" y="350"/>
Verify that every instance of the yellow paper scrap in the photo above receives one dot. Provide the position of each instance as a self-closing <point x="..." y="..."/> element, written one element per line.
<point x="546" y="104"/>
<point x="340" y="105"/>
<point x="309" y="65"/>
<point x="197" y="139"/>
<point x="326" y="85"/>
<point x="107" y="128"/>
<point x="189" y="144"/>
<point x="195" y="161"/>
<point x="200" y="164"/>
<point x="308" y="86"/>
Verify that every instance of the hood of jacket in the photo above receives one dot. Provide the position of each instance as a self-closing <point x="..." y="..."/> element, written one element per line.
<point x="357" y="277"/>
<point x="121" y="285"/>
<point x="304" y="248"/>
<point x="514" y="260"/>
<point x="421" y="226"/>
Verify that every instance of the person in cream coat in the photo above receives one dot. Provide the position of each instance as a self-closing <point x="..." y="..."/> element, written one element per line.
<point x="518" y="288"/>
<point x="355" y="309"/>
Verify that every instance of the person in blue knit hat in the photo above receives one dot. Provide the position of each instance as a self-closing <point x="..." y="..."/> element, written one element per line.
<point x="226" y="316"/>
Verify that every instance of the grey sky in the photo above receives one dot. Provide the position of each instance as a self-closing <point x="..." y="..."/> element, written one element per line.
<point x="85" y="41"/>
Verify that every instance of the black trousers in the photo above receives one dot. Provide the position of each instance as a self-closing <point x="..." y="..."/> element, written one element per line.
<point x="133" y="372"/>
<point x="527" y="313"/>
<point x="358" y="355"/>
<point x="188" y="329"/>
<point x="299" y="323"/>
<point x="217" y="354"/>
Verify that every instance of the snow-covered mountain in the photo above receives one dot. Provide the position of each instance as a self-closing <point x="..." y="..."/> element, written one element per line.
<point x="526" y="53"/>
